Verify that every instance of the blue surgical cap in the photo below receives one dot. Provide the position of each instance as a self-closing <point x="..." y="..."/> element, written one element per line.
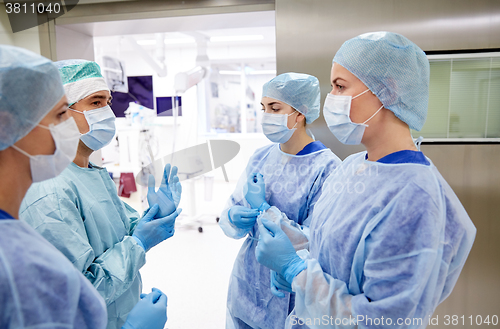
<point x="395" y="69"/>
<point x="300" y="91"/>
<point x="81" y="78"/>
<point x="30" y="86"/>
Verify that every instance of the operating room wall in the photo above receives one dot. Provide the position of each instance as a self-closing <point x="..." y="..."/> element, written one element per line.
<point x="308" y="33"/>
<point x="28" y="39"/>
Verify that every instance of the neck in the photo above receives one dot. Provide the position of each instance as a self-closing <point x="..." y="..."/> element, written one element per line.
<point x="83" y="155"/>
<point x="16" y="180"/>
<point x="389" y="140"/>
<point x="297" y="142"/>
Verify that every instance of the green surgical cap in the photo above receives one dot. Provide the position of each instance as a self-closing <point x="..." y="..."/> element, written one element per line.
<point x="80" y="78"/>
<point x="30" y="87"/>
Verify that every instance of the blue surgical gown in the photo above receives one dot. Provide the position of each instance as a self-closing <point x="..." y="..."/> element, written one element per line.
<point x="39" y="287"/>
<point x="80" y="213"/>
<point x="293" y="185"/>
<point x="386" y="240"/>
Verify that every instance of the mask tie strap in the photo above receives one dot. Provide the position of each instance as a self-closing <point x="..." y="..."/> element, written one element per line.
<point x="374" y="114"/>
<point x="69" y="108"/>
<point x="364" y="92"/>
<point x="21" y="151"/>
<point x="418" y="142"/>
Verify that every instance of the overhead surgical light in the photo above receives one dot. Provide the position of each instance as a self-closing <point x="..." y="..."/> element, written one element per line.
<point x="174" y="41"/>
<point x="230" y="38"/>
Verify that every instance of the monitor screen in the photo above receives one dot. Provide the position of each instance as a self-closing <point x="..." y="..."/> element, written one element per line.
<point x="164" y="106"/>
<point x="140" y="91"/>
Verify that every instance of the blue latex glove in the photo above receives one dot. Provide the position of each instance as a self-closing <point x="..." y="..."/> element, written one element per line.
<point x="149" y="313"/>
<point x="279" y="283"/>
<point x="242" y="217"/>
<point x="150" y="231"/>
<point x="256" y="192"/>
<point x="276" y="252"/>
<point x="168" y="195"/>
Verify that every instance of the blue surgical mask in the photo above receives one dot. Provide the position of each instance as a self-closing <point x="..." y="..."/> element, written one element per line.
<point x="101" y="127"/>
<point x="336" y="112"/>
<point x="275" y="127"/>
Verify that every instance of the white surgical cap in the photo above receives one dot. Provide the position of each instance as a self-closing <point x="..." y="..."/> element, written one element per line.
<point x="81" y="79"/>
<point x="300" y="91"/>
<point x="395" y="69"/>
<point x="30" y="87"/>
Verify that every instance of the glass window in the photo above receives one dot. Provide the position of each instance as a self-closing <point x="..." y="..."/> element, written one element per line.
<point x="464" y="97"/>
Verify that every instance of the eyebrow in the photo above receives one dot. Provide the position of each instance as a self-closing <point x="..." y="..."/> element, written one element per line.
<point x="335" y="80"/>
<point x="270" y="104"/>
<point x="100" y="97"/>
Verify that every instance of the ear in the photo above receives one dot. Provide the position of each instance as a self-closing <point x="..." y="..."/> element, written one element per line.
<point x="301" y="117"/>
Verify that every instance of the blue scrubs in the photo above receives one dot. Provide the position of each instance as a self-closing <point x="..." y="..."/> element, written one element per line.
<point x="293" y="186"/>
<point x="80" y="213"/>
<point x="387" y="239"/>
<point x="39" y="287"/>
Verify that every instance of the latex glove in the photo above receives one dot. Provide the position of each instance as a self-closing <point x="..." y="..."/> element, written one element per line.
<point x="279" y="283"/>
<point x="242" y="217"/>
<point x="149" y="313"/>
<point x="256" y="192"/>
<point x="275" y="251"/>
<point x="150" y="231"/>
<point x="168" y="195"/>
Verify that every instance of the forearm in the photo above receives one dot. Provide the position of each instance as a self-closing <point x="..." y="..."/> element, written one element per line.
<point x="320" y="296"/>
<point x="115" y="270"/>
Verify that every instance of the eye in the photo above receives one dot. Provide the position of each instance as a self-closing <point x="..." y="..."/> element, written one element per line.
<point x="339" y="87"/>
<point x="275" y="110"/>
<point x="62" y="113"/>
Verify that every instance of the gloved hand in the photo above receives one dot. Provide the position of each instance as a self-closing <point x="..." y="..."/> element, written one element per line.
<point x="279" y="283"/>
<point x="150" y="231"/>
<point x="276" y="252"/>
<point x="149" y="313"/>
<point x="256" y="192"/>
<point x="242" y="217"/>
<point x="168" y="195"/>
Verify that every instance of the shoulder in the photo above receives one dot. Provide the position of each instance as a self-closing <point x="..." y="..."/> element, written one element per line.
<point x="263" y="151"/>
<point x="51" y="192"/>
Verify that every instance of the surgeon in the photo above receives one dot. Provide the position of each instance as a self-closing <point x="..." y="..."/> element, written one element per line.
<point x="79" y="211"/>
<point x="293" y="167"/>
<point x="388" y="237"/>
<point x="39" y="287"/>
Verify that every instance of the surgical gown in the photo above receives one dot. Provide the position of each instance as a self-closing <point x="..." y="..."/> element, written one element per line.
<point x="80" y="213"/>
<point x="39" y="288"/>
<point x="386" y="241"/>
<point x="293" y="185"/>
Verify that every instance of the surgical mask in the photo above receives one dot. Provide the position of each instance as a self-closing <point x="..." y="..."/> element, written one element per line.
<point x="101" y="127"/>
<point x="275" y="127"/>
<point x="336" y="112"/>
<point x="66" y="137"/>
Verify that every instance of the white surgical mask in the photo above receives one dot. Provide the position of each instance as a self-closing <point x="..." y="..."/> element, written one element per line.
<point x="101" y="127"/>
<point x="336" y="112"/>
<point x="275" y="127"/>
<point x="66" y="136"/>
